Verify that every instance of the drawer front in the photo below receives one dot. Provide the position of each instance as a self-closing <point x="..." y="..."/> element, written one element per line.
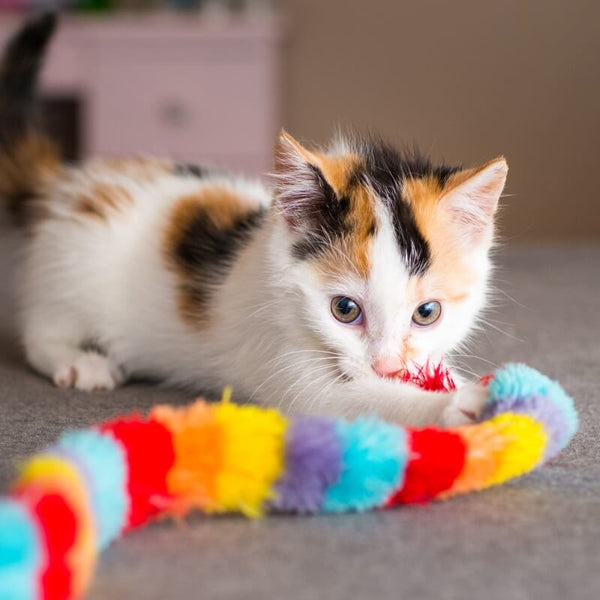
<point x="183" y="110"/>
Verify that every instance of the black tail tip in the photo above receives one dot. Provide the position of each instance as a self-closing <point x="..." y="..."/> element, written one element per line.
<point x="36" y="32"/>
<point x="42" y="23"/>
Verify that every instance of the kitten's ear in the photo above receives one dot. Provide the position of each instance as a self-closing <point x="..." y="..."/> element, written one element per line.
<point x="472" y="198"/>
<point x="301" y="189"/>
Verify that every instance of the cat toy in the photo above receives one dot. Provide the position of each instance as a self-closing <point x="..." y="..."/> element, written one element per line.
<point x="72" y="500"/>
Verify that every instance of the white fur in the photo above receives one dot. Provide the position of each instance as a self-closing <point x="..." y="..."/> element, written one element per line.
<point x="272" y="337"/>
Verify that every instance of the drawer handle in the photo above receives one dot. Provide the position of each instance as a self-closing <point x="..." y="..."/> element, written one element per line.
<point x="175" y="113"/>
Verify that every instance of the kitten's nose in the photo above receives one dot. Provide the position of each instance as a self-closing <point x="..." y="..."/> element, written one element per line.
<point x="387" y="366"/>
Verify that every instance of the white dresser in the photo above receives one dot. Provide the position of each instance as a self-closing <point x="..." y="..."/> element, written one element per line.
<point x="183" y="86"/>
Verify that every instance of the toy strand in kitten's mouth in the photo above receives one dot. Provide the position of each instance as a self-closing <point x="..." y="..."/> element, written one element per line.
<point x="429" y="376"/>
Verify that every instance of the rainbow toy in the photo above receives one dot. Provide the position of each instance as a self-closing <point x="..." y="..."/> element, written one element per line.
<point x="72" y="500"/>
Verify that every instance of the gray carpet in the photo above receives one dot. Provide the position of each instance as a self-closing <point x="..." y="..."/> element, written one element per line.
<point x="538" y="537"/>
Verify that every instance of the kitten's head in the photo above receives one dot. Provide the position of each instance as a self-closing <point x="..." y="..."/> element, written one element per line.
<point x="387" y="254"/>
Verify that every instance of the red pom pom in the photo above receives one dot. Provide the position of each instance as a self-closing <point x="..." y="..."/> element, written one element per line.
<point x="436" y="459"/>
<point x="150" y="455"/>
<point x="58" y="527"/>
<point x="432" y="378"/>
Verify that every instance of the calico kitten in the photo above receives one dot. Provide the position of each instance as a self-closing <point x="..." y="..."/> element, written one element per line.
<point x="310" y="296"/>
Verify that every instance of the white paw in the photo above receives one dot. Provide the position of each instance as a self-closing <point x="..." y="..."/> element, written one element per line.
<point x="466" y="405"/>
<point x="89" y="372"/>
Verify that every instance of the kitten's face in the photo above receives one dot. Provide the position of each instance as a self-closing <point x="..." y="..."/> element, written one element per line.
<point x="390" y="255"/>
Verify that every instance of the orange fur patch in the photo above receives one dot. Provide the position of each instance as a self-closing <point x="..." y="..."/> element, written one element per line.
<point x="337" y="169"/>
<point x="102" y="200"/>
<point x="360" y="219"/>
<point x="450" y="275"/>
<point x="224" y="209"/>
<point x="363" y="225"/>
<point x="25" y="173"/>
<point x="224" y="206"/>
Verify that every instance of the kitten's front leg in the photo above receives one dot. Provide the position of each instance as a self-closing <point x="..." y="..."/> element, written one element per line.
<point x="401" y="402"/>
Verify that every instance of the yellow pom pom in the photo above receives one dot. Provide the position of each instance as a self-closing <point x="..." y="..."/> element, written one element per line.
<point x="227" y="393"/>
<point x="525" y="439"/>
<point x="252" y="456"/>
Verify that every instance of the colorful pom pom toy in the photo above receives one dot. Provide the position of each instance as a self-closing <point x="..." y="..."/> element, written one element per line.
<point x="72" y="500"/>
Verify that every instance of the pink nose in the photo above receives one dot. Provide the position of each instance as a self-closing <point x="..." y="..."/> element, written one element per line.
<point x="387" y="366"/>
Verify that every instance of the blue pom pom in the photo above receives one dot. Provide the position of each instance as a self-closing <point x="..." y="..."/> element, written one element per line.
<point x="103" y="465"/>
<point x="374" y="457"/>
<point x="20" y="555"/>
<point x="517" y="380"/>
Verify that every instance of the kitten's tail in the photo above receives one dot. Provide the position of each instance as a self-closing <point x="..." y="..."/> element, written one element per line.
<point x="27" y="157"/>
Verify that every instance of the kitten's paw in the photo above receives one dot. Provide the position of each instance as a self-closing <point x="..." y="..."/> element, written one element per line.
<point x="90" y="372"/>
<point x="65" y="377"/>
<point x="466" y="405"/>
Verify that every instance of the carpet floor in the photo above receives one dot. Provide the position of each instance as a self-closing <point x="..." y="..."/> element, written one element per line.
<point x="538" y="537"/>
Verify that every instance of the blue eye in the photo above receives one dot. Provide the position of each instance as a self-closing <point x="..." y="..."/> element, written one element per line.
<point x="346" y="310"/>
<point x="427" y="313"/>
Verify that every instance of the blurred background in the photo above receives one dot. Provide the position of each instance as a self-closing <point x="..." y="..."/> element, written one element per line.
<point x="213" y="81"/>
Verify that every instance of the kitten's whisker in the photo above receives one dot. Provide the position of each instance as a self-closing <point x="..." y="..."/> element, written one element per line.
<point x="296" y="381"/>
<point x="485" y="360"/>
<point x="309" y="384"/>
<point x="287" y="368"/>
<point x="321" y="396"/>
<point x="466" y="371"/>
<point x="264" y="307"/>
<point x="507" y="295"/>
<point x="287" y="354"/>
<point x="489" y="324"/>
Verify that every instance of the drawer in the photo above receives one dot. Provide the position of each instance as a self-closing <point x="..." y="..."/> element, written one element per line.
<point x="182" y="110"/>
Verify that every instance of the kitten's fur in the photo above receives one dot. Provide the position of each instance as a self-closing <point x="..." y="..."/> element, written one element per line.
<point x="141" y="267"/>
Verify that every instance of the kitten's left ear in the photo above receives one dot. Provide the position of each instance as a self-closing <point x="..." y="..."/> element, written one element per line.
<point x="472" y="197"/>
<point x="302" y="192"/>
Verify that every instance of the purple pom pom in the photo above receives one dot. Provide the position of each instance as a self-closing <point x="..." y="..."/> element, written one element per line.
<point x="313" y="462"/>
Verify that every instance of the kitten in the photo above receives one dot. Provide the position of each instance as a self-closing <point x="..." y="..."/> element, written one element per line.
<point x="310" y="296"/>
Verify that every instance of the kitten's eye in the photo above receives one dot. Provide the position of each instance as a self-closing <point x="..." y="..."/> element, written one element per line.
<point x="345" y="310"/>
<point x="427" y="313"/>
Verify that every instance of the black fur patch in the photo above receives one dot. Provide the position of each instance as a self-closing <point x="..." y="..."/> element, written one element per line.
<point x="325" y="219"/>
<point x="189" y="169"/>
<point x="205" y="252"/>
<point x="205" y="247"/>
<point x="385" y="169"/>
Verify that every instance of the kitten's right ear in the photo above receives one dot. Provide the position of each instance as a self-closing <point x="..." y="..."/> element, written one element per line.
<point x="301" y="190"/>
<point x="473" y="197"/>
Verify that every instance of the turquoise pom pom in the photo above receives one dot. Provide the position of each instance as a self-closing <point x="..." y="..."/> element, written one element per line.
<point x="374" y="456"/>
<point x="104" y="466"/>
<point x="20" y="555"/>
